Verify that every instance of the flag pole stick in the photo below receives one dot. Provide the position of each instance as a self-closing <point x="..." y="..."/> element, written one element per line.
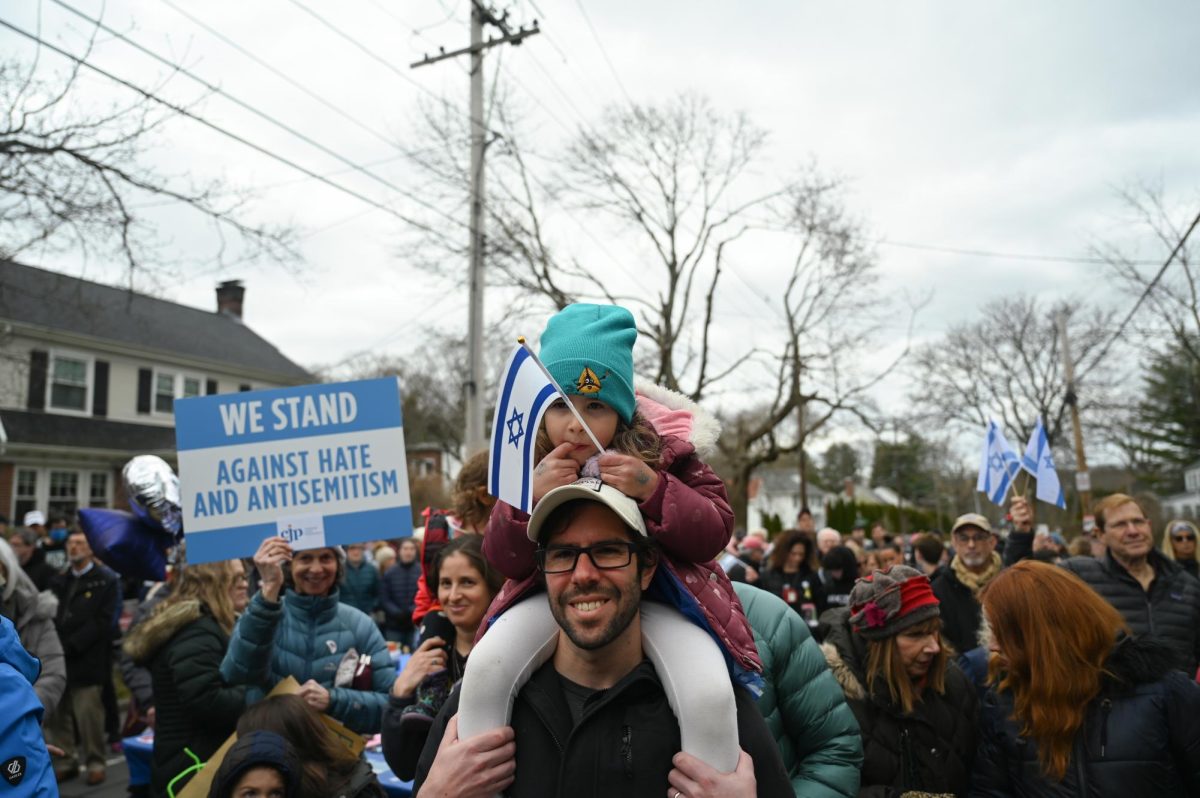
<point x="562" y="393"/>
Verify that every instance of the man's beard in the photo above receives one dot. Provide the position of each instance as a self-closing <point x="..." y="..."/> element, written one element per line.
<point x="616" y="625"/>
<point x="976" y="559"/>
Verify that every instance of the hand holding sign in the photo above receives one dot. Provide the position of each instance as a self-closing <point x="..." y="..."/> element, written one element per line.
<point x="272" y="553"/>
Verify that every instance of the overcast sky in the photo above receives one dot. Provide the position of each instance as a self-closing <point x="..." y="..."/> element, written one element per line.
<point x="1001" y="127"/>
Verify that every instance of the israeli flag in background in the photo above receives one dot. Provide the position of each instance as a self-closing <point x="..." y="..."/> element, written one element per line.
<point x="998" y="466"/>
<point x="1040" y="465"/>
<point x="525" y="393"/>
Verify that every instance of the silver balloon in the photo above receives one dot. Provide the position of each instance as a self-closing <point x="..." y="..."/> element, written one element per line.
<point x="153" y="491"/>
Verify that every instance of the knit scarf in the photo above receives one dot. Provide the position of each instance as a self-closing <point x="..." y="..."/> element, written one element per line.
<point x="973" y="580"/>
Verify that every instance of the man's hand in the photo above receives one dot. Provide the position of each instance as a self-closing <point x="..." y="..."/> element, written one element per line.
<point x="429" y="658"/>
<point x="314" y="695"/>
<point x="272" y="553"/>
<point x="1022" y="514"/>
<point x="151" y="717"/>
<point x="692" y="778"/>
<point x="482" y="765"/>
<point x="555" y="470"/>
<point x="629" y="475"/>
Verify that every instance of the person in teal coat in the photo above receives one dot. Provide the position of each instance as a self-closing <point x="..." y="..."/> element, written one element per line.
<point x="307" y="634"/>
<point x="804" y="707"/>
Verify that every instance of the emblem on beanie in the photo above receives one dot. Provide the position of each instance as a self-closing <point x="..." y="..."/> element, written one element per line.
<point x="588" y="382"/>
<point x="14" y="770"/>
<point x="332" y="646"/>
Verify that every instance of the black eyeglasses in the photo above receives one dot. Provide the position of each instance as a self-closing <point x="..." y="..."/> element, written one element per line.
<point x="605" y="556"/>
<point x="1188" y="536"/>
<point x="968" y="539"/>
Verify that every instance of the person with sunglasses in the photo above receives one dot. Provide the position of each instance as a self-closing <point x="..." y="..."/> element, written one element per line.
<point x="1179" y="544"/>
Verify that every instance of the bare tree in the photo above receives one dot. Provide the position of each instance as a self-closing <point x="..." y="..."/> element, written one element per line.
<point x="1008" y="364"/>
<point x="1171" y="313"/>
<point x="74" y="177"/>
<point x="832" y="278"/>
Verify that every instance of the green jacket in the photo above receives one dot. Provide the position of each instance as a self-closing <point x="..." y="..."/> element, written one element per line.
<point x="805" y="709"/>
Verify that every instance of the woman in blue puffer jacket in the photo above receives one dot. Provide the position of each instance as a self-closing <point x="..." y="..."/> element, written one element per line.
<point x="306" y="633"/>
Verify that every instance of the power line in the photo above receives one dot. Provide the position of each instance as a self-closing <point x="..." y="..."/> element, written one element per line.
<point x="983" y="253"/>
<point x="370" y="53"/>
<point x="386" y="139"/>
<point x="216" y="128"/>
<point x="257" y="112"/>
<point x="1149" y="287"/>
<point x="603" y="52"/>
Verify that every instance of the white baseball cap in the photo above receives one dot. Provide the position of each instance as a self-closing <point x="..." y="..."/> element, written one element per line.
<point x="590" y="489"/>
<point x="34" y="517"/>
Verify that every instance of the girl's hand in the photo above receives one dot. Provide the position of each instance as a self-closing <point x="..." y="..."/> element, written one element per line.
<point x="429" y="658"/>
<point x="629" y="475"/>
<point x="555" y="470"/>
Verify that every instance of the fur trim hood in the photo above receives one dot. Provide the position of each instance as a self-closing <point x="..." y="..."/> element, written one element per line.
<point x="1138" y="660"/>
<point x="847" y="679"/>
<point x="145" y="639"/>
<point x="672" y="413"/>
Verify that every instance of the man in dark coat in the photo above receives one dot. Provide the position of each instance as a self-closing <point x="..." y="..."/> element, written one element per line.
<point x="975" y="563"/>
<point x="87" y="599"/>
<point x="24" y="542"/>
<point x="1152" y="593"/>
<point x="398" y="593"/>
<point x="594" y="720"/>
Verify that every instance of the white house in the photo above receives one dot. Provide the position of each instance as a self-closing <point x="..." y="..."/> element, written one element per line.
<point x="776" y="491"/>
<point x="1186" y="504"/>
<point x="89" y="375"/>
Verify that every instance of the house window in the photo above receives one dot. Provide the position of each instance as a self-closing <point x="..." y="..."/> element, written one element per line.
<point x="169" y="386"/>
<point x="98" y="490"/>
<point x="69" y="383"/>
<point x="60" y="491"/>
<point x="26" y="494"/>
<point x="64" y="494"/>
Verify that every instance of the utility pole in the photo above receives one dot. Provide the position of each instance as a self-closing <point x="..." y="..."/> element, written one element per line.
<point x="475" y="439"/>
<point x="1083" y="482"/>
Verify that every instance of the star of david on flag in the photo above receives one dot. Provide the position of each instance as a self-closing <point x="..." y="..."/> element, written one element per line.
<point x="1040" y="465"/>
<point x="525" y="393"/>
<point x="998" y="466"/>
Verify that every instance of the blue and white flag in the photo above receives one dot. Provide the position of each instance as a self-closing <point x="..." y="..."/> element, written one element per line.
<point x="998" y="466"/>
<point x="1040" y="465"/>
<point x="525" y="393"/>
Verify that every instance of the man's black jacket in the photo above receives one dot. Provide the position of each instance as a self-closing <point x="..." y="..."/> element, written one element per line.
<point x="622" y="747"/>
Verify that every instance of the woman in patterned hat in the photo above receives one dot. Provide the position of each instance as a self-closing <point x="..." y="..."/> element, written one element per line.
<point x="917" y="711"/>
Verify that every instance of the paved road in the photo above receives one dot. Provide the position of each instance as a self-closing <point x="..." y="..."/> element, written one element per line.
<point x="113" y="787"/>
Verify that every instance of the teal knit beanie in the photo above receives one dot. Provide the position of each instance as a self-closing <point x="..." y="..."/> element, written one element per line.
<point x="588" y="349"/>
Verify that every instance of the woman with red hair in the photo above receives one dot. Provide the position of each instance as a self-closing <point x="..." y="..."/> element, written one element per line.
<point x="1077" y="706"/>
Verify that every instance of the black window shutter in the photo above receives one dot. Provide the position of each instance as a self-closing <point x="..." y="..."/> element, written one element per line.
<point x="39" y="367"/>
<point x="210" y="387"/>
<point x="100" y="389"/>
<point x="145" y="376"/>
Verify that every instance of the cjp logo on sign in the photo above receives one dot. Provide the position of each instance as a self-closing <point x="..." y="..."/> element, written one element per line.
<point x="14" y="770"/>
<point x="302" y="532"/>
<point x="291" y="534"/>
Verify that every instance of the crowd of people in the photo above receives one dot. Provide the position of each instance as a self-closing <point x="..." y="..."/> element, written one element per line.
<point x="622" y="638"/>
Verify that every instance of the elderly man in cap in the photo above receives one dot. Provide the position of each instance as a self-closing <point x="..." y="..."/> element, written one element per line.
<point x="975" y="563"/>
<point x="594" y="720"/>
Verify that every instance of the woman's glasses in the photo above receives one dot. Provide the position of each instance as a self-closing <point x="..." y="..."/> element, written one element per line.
<point x="1187" y="536"/>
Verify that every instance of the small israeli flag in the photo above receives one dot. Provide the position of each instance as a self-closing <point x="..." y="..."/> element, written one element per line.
<point x="998" y="466"/>
<point x="1040" y="465"/>
<point x="525" y="393"/>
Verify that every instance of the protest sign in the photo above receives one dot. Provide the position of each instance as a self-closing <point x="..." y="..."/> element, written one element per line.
<point x="319" y="465"/>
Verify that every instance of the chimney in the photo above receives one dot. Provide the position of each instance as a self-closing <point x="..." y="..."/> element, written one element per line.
<point x="848" y="486"/>
<point x="229" y="298"/>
